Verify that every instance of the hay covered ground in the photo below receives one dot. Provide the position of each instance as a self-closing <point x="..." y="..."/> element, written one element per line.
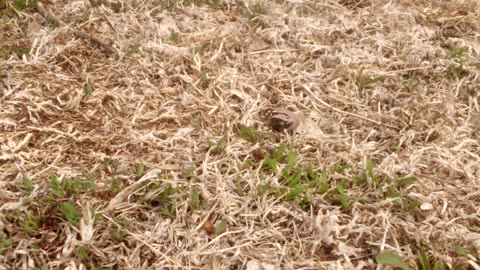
<point x="159" y="154"/>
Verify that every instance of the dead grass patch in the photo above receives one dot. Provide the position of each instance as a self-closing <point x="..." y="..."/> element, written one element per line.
<point x="159" y="154"/>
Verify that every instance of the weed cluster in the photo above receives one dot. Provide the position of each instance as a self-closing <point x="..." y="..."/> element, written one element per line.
<point x="301" y="183"/>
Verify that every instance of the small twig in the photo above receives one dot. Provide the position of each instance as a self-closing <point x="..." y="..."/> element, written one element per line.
<point x="55" y="21"/>
<point x="325" y="104"/>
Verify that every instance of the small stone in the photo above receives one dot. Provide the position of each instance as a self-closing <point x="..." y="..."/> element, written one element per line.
<point x="426" y="206"/>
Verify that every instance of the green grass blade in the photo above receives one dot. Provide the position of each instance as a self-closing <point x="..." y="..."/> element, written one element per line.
<point x="393" y="259"/>
<point x="424" y="261"/>
<point x="221" y="227"/>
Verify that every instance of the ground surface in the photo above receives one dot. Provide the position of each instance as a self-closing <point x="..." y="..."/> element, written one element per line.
<point x="159" y="154"/>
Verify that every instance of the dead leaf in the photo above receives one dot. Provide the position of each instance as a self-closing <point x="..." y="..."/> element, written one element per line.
<point x="281" y="119"/>
<point x="256" y="265"/>
<point x="208" y="227"/>
<point x="257" y="44"/>
<point x="33" y="28"/>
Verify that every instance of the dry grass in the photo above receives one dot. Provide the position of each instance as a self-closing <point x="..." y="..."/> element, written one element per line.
<point x="397" y="82"/>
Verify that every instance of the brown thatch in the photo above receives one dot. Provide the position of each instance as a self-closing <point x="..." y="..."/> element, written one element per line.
<point x="159" y="143"/>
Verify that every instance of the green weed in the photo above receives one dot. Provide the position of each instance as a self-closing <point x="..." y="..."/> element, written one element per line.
<point x="301" y="183"/>
<point x="162" y="200"/>
<point x="121" y="234"/>
<point x="27" y="221"/>
<point x="71" y="187"/>
<point x="5" y="243"/>
<point x="112" y="167"/>
<point x="363" y="81"/>
<point x="393" y="259"/>
<point x="82" y="252"/>
<point x="258" y="9"/>
<point x="70" y="212"/>
<point x="423" y="262"/>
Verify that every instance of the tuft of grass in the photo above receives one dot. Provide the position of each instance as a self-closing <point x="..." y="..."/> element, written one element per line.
<point x="70" y="187"/>
<point x="457" y="70"/>
<point x="111" y="167"/>
<point x="188" y="172"/>
<point x="21" y="51"/>
<point x="219" y="146"/>
<point x="251" y="134"/>
<point x="248" y="133"/>
<point x="27" y="184"/>
<point x="132" y="49"/>
<point x="70" y="212"/>
<point x="5" y="243"/>
<point x="21" y="5"/>
<point x="258" y="9"/>
<point x="253" y="12"/>
<point x="27" y="221"/>
<point x="174" y="37"/>
<point x="88" y="88"/>
<point x="197" y="3"/>
<point x="393" y="259"/>
<point x="302" y="183"/>
<point x="140" y="170"/>
<point x="270" y="164"/>
<point x="363" y="81"/>
<point x="82" y="252"/>
<point x="163" y="198"/>
<point x="412" y="82"/>
<point x="204" y="79"/>
<point x="195" y="199"/>
<point x="423" y="262"/>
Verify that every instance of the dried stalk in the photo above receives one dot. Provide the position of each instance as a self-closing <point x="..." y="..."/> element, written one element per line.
<point x="80" y="34"/>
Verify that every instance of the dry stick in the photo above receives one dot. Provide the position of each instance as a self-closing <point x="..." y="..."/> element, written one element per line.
<point x="317" y="99"/>
<point x="53" y="20"/>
